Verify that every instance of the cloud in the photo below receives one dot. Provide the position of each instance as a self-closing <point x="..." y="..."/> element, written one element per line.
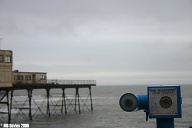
<point x="102" y="38"/>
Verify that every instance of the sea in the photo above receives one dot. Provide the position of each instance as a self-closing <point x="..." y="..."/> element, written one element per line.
<point x="106" y="110"/>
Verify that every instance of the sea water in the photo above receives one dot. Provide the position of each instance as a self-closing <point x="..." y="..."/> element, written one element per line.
<point x="106" y="110"/>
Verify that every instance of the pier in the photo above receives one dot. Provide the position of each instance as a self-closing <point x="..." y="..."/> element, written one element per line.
<point x="64" y="104"/>
<point x="12" y="81"/>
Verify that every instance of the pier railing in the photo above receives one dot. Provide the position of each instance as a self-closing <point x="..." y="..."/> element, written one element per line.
<point x="72" y="82"/>
<point x="56" y="82"/>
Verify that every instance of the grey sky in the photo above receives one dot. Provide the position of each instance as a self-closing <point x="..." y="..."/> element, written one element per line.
<point x="112" y="41"/>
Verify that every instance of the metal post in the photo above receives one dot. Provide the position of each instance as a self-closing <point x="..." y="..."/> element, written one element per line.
<point x="77" y="99"/>
<point x="63" y="102"/>
<point x="48" y="94"/>
<point x="91" y="98"/>
<point x="165" y="122"/>
<point x="8" y="107"/>
<point x="11" y="102"/>
<point x="29" y="96"/>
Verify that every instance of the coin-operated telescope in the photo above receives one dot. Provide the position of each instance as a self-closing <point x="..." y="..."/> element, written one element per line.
<point x="161" y="102"/>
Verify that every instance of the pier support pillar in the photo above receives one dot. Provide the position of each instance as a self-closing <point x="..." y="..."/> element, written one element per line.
<point x="29" y="97"/>
<point x="77" y="100"/>
<point x="11" y="102"/>
<point x="48" y="95"/>
<point x="91" y="98"/>
<point x="8" y="107"/>
<point x="7" y="103"/>
<point x="63" y="101"/>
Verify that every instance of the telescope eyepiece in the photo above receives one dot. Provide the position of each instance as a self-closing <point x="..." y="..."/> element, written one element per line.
<point x="128" y="102"/>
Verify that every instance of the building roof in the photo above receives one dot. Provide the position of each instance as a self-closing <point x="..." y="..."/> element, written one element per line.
<point x="16" y="71"/>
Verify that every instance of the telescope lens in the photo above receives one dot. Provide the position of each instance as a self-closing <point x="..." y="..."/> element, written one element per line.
<point x="128" y="102"/>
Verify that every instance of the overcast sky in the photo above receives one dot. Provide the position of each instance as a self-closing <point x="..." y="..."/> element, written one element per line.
<point x="111" y="41"/>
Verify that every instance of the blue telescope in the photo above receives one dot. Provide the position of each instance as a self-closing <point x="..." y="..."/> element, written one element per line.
<point x="162" y="102"/>
<point x="130" y="102"/>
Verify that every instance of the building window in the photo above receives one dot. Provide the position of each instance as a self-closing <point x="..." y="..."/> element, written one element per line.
<point x="26" y="77"/>
<point x="18" y="77"/>
<point x="8" y="59"/>
<point x="21" y="77"/>
<point x="1" y="58"/>
<point x="29" y="77"/>
<point x="15" y="77"/>
<point x="42" y="77"/>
